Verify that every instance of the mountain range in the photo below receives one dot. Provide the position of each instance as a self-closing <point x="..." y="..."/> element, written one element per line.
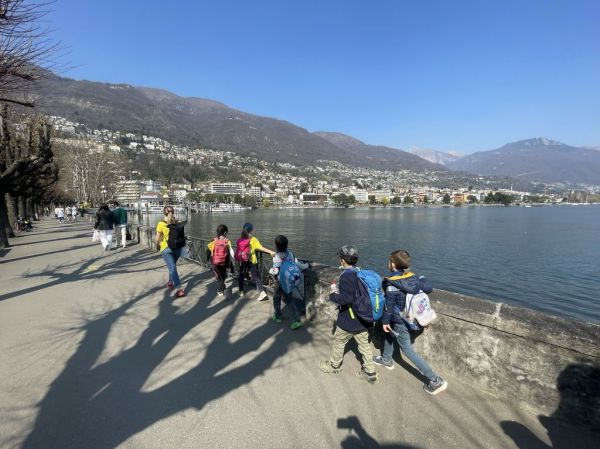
<point x="208" y="123"/>
<point x="211" y="124"/>
<point x="538" y="159"/>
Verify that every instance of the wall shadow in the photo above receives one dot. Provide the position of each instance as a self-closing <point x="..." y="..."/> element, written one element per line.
<point x="92" y="405"/>
<point x="576" y="421"/>
<point x="358" y="437"/>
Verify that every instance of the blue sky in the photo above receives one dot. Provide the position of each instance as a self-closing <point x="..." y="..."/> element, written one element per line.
<point x="449" y="75"/>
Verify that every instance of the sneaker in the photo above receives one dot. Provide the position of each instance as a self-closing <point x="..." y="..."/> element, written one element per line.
<point x="262" y="297"/>
<point x="221" y="293"/>
<point x="378" y="360"/>
<point x="170" y="285"/>
<point x="180" y="293"/>
<point x="295" y="325"/>
<point x="435" y="386"/>
<point x="276" y="318"/>
<point x="373" y="379"/>
<point x="328" y="368"/>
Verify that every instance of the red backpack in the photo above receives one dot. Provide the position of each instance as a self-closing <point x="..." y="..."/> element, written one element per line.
<point x="242" y="250"/>
<point x="220" y="250"/>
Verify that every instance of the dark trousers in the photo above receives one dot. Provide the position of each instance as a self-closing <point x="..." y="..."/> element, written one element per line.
<point x="289" y="299"/>
<point x="220" y="272"/>
<point x="251" y="268"/>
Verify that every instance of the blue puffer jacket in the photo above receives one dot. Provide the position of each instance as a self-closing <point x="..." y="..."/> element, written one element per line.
<point x="395" y="293"/>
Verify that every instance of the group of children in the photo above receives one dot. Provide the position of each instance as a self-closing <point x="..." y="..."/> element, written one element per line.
<point x="348" y="293"/>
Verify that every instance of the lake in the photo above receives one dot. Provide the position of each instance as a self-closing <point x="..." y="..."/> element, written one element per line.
<point x="546" y="258"/>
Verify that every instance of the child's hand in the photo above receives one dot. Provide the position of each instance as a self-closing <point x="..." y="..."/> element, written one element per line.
<point x="333" y="288"/>
<point x="387" y="328"/>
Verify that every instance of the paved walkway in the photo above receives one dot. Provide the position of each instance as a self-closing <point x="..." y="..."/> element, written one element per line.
<point x="95" y="353"/>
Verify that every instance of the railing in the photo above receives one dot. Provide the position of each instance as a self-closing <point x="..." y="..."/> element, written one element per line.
<point x="196" y="253"/>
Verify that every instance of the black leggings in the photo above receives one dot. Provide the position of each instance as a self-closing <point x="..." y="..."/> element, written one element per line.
<point x="253" y="269"/>
<point x="221" y="274"/>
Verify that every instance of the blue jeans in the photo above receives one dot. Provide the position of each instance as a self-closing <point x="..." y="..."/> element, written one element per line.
<point x="291" y="301"/>
<point x="403" y="340"/>
<point x="171" y="256"/>
<point x="253" y="269"/>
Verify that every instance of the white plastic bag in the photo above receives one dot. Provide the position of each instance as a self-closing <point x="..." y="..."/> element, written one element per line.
<point x="95" y="236"/>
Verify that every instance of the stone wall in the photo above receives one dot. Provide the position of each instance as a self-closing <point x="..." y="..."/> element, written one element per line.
<point x="549" y="364"/>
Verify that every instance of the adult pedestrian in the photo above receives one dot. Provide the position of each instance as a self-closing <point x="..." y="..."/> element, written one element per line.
<point x="120" y="225"/>
<point x="170" y="241"/>
<point x="60" y="214"/>
<point x="104" y="225"/>
<point x="74" y="212"/>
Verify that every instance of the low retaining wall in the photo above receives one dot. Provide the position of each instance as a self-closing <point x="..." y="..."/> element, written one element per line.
<point x="548" y="364"/>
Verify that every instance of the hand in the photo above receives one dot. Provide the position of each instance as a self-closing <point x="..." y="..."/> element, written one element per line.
<point x="333" y="288"/>
<point x="387" y="328"/>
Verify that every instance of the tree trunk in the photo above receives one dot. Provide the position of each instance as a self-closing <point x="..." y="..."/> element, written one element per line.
<point x="4" y="224"/>
<point x="12" y="213"/>
<point x="21" y="206"/>
<point x="28" y="209"/>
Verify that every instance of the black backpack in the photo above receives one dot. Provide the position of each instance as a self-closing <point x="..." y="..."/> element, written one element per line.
<point x="176" y="235"/>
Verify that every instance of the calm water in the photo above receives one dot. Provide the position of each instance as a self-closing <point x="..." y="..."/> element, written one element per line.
<point x="546" y="258"/>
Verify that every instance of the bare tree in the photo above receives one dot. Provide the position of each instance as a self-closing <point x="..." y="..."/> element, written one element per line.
<point x="26" y="51"/>
<point x="26" y="162"/>
<point x="92" y="175"/>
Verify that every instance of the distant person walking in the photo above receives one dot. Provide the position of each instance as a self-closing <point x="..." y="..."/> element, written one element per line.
<point x="60" y="214"/>
<point x="74" y="212"/>
<point x="120" y="225"/>
<point x="170" y="241"/>
<point x="68" y="214"/>
<point x="105" y="221"/>
<point x="246" y="248"/>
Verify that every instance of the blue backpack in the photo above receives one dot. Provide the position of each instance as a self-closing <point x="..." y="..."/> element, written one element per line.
<point x="371" y="281"/>
<point x="289" y="274"/>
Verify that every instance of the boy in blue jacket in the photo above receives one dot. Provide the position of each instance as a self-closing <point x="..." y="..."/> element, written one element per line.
<point x="349" y="325"/>
<point x="397" y="285"/>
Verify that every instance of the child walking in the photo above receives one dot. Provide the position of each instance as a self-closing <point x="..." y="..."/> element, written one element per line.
<point x="397" y="285"/>
<point x="246" y="249"/>
<point x="349" y="325"/>
<point x="220" y="253"/>
<point x="285" y="260"/>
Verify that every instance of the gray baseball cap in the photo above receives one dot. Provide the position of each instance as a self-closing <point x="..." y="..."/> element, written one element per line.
<point x="348" y="250"/>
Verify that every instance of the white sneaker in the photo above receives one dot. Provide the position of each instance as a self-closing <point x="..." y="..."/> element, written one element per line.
<point x="262" y="297"/>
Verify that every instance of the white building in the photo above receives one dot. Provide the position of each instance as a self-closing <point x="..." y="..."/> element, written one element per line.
<point x="361" y="196"/>
<point x="227" y="188"/>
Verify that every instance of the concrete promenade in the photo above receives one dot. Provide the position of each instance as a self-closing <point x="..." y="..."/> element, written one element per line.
<point x="96" y="353"/>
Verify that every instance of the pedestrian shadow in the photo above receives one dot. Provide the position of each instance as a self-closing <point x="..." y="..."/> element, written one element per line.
<point x="101" y="402"/>
<point x="575" y="422"/>
<point x="358" y="438"/>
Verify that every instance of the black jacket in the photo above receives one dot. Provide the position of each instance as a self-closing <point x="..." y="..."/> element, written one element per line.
<point x="105" y="220"/>
<point x="349" y="287"/>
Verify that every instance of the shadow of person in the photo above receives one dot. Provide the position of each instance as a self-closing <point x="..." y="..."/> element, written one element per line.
<point x="361" y="439"/>
<point x="575" y="422"/>
<point x="101" y="404"/>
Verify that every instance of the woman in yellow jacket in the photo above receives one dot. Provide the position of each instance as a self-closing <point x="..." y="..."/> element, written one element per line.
<point x="170" y="255"/>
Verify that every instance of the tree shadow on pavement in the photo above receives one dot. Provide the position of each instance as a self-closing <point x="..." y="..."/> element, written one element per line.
<point x="358" y="437"/>
<point x="58" y="251"/>
<point x="100" y="404"/>
<point x="575" y="422"/>
<point x="93" y="268"/>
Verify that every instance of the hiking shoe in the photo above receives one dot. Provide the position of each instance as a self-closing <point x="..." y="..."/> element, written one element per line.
<point x="435" y="386"/>
<point x="328" y="368"/>
<point x="378" y="360"/>
<point x="276" y="318"/>
<point x="180" y="293"/>
<point x="170" y="285"/>
<point x="262" y="297"/>
<point x="373" y="379"/>
<point x="295" y="325"/>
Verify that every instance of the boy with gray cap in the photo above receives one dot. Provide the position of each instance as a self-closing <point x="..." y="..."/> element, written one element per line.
<point x="349" y="324"/>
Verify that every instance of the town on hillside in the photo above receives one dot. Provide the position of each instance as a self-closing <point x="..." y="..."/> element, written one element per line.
<point x="146" y="172"/>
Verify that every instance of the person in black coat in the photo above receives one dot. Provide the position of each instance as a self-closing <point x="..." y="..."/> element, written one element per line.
<point x="104" y="225"/>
